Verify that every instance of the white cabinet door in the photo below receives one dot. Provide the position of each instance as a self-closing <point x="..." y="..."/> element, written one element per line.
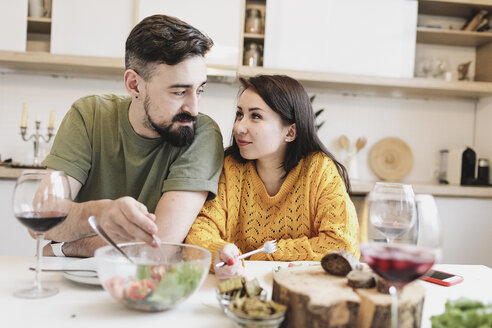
<point x="13" y="25"/>
<point x="219" y="19"/>
<point x="91" y="27"/>
<point x="362" y="37"/>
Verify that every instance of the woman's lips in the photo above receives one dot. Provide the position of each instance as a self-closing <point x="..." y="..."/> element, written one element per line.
<point x="242" y="143"/>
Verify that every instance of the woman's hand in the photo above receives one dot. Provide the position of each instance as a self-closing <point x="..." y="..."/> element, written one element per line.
<point x="234" y="267"/>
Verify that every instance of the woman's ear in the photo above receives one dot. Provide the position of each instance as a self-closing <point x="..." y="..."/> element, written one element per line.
<point x="291" y="133"/>
<point x="132" y="83"/>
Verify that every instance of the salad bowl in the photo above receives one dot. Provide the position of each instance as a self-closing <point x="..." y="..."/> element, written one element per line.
<point x="158" y="279"/>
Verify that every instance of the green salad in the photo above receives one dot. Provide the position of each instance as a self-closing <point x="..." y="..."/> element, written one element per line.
<point x="156" y="288"/>
<point x="464" y="313"/>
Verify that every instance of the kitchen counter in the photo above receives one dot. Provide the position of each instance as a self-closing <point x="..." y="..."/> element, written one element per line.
<point x="80" y="305"/>
<point x="441" y="190"/>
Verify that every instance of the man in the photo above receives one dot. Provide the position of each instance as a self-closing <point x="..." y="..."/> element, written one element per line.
<point x="149" y="152"/>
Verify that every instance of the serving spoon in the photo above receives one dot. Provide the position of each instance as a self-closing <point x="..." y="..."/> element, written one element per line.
<point x="99" y="230"/>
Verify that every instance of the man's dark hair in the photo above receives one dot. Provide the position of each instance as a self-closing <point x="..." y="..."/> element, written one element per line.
<point x="288" y="98"/>
<point x="161" y="39"/>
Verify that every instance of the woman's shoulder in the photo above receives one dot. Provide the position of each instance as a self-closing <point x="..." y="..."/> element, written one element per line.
<point x="319" y="160"/>
<point x="232" y="164"/>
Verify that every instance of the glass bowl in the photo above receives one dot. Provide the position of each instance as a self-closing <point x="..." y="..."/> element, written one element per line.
<point x="152" y="283"/>
<point x="271" y="321"/>
<point x="225" y="299"/>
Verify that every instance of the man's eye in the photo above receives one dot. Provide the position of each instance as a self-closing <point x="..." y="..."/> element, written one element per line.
<point x="200" y="91"/>
<point x="179" y="93"/>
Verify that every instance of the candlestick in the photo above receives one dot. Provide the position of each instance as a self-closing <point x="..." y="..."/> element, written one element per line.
<point x="37" y="138"/>
<point x="52" y="120"/>
<point x="24" y="116"/>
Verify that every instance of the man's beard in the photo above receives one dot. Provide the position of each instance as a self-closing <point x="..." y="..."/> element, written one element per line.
<point x="179" y="137"/>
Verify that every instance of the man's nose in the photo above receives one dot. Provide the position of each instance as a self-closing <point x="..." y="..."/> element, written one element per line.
<point x="191" y="105"/>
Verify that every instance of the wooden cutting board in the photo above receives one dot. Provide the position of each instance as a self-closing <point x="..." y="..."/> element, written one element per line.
<point x="390" y="159"/>
<point x="315" y="298"/>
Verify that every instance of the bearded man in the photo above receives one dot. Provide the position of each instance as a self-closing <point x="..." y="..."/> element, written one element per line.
<point x="143" y="164"/>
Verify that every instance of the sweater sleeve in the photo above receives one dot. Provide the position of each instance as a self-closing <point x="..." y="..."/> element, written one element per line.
<point x="208" y="230"/>
<point x="334" y="220"/>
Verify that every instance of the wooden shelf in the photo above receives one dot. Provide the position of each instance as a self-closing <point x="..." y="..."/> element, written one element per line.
<point x="87" y="66"/>
<point x="395" y="87"/>
<point x="381" y="85"/>
<point x="452" y="37"/>
<point x="39" y="25"/>
<point x="361" y="188"/>
<point x="455" y="8"/>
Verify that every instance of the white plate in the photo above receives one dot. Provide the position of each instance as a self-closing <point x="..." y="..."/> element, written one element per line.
<point x="83" y="277"/>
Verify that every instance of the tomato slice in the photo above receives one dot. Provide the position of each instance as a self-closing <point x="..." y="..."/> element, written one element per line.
<point x="137" y="290"/>
<point x="157" y="272"/>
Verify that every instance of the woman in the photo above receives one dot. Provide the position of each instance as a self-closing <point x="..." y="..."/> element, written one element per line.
<point x="278" y="182"/>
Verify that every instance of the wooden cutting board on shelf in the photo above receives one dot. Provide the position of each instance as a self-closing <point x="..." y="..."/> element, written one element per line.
<point x="390" y="159"/>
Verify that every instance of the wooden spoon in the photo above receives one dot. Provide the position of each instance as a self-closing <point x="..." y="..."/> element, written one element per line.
<point x="344" y="142"/>
<point x="360" y="143"/>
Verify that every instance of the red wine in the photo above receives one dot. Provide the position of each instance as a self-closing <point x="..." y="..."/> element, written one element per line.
<point x="41" y="221"/>
<point x="396" y="263"/>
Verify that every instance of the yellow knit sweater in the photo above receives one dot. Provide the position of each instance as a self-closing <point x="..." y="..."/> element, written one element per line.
<point x="311" y="214"/>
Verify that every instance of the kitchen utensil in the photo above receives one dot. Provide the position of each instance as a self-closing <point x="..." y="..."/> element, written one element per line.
<point x="344" y="142"/>
<point x="63" y="270"/>
<point x="360" y="143"/>
<point x="390" y="159"/>
<point x="269" y="247"/>
<point x="97" y="228"/>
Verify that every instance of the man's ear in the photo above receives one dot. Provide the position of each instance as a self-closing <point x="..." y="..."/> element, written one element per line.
<point x="291" y="133"/>
<point x="133" y="83"/>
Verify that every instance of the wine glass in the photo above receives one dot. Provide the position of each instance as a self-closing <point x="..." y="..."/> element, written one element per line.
<point x="41" y="201"/>
<point x="400" y="238"/>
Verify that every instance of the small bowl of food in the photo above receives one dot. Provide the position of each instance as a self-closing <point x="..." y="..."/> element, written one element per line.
<point x="256" y="313"/>
<point x="153" y="282"/>
<point x="239" y="287"/>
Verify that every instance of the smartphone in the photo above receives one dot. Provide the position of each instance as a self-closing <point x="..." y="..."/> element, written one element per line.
<point x="442" y="278"/>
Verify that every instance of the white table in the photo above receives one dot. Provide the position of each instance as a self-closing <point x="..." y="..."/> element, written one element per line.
<point x="80" y="305"/>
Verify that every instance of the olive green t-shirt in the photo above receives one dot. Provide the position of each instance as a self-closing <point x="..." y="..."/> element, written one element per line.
<point x="97" y="146"/>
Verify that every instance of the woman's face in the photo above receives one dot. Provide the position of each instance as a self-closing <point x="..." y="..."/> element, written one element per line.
<point x="258" y="130"/>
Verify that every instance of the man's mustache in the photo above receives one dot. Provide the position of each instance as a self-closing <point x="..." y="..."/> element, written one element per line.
<point x="184" y="117"/>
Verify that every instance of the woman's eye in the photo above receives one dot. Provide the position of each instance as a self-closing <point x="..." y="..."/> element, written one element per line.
<point x="255" y="116"/>
<point x="239" y="114"/>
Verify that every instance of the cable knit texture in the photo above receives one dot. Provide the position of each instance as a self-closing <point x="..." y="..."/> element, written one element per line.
<point x="311" y="214"/>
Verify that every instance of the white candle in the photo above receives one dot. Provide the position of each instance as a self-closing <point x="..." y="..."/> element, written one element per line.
<point x="52" y="120"/>
<point x="24" y="116"/>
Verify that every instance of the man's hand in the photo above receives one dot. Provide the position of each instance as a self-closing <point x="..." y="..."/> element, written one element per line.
<point x="234" y="267"/>
<point x="126" y="219"/>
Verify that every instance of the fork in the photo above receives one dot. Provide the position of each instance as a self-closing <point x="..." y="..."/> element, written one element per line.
<point x="269" y="247"/>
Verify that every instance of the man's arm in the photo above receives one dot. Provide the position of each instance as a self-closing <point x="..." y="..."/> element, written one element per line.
<point x="176" y="212"/>
<point x="124" y="219"/>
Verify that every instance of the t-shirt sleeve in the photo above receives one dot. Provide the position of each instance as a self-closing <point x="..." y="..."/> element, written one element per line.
<point x="72" y="149"/>
<point x="198" y="167"/>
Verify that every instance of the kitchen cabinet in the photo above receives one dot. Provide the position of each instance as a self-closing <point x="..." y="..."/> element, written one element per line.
<point x="481" y="42"/>
<point x="13" y="25"/>
<point x="38" y="58"/>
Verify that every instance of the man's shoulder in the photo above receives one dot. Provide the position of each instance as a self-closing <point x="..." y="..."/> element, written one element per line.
<point x="204" y="121"/>
<point x="91" y="103"/>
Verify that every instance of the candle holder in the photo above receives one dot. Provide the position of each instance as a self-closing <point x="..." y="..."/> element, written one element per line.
<point x="37" y="137"/>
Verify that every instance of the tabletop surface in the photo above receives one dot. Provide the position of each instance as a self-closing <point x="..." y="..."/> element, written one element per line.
<point x="81" y="305"/>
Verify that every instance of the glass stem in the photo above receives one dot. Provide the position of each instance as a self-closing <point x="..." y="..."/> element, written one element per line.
<point x="394" y="306"/>
<point x="39" y="260"/>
